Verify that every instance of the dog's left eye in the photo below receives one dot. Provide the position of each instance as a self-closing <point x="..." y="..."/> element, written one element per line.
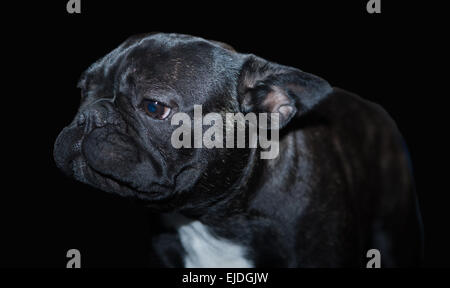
<point x="156" y="110"/>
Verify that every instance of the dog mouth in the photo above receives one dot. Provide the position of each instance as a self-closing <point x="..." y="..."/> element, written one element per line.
<point x="99" y="169"/>
<point x="69" y="158"/>
<point x="83" y="172"/>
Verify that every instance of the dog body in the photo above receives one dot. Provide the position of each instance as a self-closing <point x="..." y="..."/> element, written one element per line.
<point x="341" y="184"/>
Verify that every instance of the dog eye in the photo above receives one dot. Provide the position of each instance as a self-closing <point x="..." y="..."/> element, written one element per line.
<point x="156" y="110"/>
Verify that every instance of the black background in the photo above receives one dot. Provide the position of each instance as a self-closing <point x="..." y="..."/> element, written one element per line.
<point x="43" y="214"/>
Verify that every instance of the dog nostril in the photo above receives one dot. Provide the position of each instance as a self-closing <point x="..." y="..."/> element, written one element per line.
<point x="81" y="119"/>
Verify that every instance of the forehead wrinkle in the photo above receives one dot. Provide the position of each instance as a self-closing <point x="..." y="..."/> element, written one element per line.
<point x="171" y="65"/>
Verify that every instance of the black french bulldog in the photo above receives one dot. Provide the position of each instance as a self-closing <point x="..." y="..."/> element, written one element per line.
<point x="341" y="184"/>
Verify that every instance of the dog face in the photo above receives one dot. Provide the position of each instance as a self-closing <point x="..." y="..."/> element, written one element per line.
<point x="120" y="139"/>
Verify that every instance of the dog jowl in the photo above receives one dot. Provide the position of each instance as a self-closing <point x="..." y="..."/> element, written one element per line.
<point x="339" y="185"/>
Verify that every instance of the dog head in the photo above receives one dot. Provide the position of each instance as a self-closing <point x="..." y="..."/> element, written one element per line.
<point x="120" y="139"/>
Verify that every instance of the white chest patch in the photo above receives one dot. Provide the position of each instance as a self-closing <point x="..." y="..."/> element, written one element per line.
<point x="204" y="250"/>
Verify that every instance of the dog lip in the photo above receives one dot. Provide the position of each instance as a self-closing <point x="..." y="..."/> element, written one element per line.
<point x="69" y="158"/>
<point x="67" y="149"/>
<point x="91" y="175"/>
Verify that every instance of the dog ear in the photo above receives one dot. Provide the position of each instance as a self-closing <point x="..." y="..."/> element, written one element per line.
<point x="266" y="87"/>
<point x="224" y="45"/>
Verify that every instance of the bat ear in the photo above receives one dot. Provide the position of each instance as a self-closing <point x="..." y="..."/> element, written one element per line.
<point x="266" y="87"/>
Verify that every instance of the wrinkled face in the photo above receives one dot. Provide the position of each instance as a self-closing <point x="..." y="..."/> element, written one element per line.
<point x="120" y="139"/>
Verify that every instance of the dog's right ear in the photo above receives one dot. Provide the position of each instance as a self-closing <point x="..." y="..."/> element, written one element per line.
<point x="266" y="87"/>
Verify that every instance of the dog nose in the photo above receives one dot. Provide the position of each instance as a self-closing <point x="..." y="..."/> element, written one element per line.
<point x="92" y="118"/>
<point x="96" y="117"/>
